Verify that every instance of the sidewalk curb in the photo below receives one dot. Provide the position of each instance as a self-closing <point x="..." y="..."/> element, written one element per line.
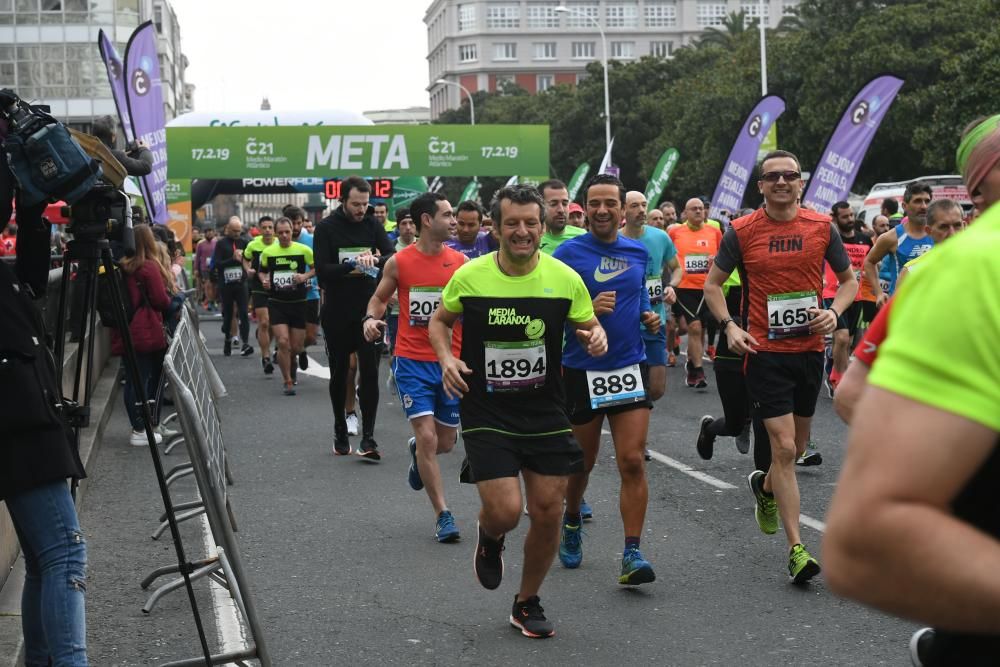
<point x="102" y="405"/>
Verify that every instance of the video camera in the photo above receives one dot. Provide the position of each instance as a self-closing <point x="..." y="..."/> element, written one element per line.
<point x="51" y="162"/>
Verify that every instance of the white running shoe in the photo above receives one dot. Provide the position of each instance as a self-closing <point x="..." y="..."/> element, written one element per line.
<point x="138" y="438"/>
<point x="352" y="424"/>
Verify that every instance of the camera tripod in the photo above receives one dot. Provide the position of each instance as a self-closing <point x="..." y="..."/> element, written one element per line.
<point x="91" y="256"/>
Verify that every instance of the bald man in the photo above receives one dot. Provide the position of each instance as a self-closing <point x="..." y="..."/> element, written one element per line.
<point x="662" y="262"/>
<point x="227" y="263"/>
<point x="697" y="245"/>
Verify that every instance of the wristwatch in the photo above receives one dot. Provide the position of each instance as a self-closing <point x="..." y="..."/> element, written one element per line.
<point x="724" y="323"/>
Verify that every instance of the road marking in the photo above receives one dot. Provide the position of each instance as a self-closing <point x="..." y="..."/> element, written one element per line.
<point x="316" y="369"/>
<point x="691" y="472"/>
<point x="227" y="619"/>
<point x="804" y="519"/>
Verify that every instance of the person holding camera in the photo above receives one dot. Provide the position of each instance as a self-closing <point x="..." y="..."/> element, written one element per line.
<point x="37" y="455"/>
<point x="146" y="280"/>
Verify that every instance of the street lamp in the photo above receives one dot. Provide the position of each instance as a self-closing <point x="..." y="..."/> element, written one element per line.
<point x="472" y="105"/>
<point x="562" y="9"/>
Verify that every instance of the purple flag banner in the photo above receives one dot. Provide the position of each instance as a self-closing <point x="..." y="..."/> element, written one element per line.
<point x="742" y="158"/>
<point x="145" y="110"/>
<point x="116" y="77"/>
<point x="838" y="167"/>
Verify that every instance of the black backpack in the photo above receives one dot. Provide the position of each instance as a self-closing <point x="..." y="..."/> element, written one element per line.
<point x="105" y="304"/>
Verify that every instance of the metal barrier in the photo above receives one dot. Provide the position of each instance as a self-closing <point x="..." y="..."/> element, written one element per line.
<point x="190" y="371"/>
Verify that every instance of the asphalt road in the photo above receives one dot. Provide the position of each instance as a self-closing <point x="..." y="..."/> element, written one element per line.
<point x="345" y="570"/>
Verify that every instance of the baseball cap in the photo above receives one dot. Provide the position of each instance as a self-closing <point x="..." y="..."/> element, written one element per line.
<point x="575" y="208"/>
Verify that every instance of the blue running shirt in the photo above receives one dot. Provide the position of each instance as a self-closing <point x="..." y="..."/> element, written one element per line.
<point x="618" y="267"/>
<point x="661" y="250"/>
<point x="908" y="248"/>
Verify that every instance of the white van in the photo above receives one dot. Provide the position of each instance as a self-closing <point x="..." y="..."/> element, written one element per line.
<point x="942" y="187"/>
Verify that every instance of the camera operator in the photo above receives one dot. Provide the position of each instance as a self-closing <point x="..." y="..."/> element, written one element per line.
<point x="37" y="455"/>
<point x="32" y="230"/>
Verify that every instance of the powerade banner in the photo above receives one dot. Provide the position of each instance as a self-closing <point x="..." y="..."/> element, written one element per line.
<point x="660" y="177"/>
<point x="341" y="150"/>
<point x="116" y="70"/>
<point x="838" y="167"/>
<point x="576" y="182"/>
<point x="144" y="96"/>
<point x="742" y="158"/>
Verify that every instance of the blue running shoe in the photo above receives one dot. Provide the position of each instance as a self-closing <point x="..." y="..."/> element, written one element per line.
<point x="586" y="511"/>
<point x="635" y="569"/>
<point x="446" y="531"/>
<point x="413" y="476"/>
<point x="571" y="546"/>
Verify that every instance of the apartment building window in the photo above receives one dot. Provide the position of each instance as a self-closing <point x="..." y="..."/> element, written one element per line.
<point x="621" y="15"/>
<point x="468" y="53"/>
<point x="504" y="80"/>
<point x="466" y="18"/>
<point x="545" y="50"/>
<point x="751" y="12"/>
<point x="583" y="50"/>
<point x="503" y="16"/>
<point x="622" y="50"/>
<point x="581" y="13"/>
<point x="544" y="82"/>
<point x="661" y="49"/>
<point x="543" y="15"/>
<point x="661" y="13"/>
<point x="505" y="51"/>
<point x="710" y="13"/>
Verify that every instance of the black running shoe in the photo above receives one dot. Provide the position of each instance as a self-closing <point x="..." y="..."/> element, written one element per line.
<point x="341" y="446"/>
<point x="268" y="366"/>
<point x="529" y="618"/>
<point x="246" y="350"/>
<point x="227" y="347"/>
<point x="706" y="441"/>
<point x="920" y="646"/>
<point x="488" y="561"/>
<point x="303" y="360"/>
<point x="700" y="381"/>
<point x="369" y="450"/>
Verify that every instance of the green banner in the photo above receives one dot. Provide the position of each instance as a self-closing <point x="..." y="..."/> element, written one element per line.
<point x="576" y="182"/>
<point x="660" y="177"/>
<point x="374" y="150"/>
<point x="471" y="191"/>
<point x="770" y="142"/>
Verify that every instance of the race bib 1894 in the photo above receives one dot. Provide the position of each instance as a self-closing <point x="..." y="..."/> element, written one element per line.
<point x="615" y="387"/>
<point x="788" y="314"/>
<point x="514" y="366"/>
<point x="423" y="302"/>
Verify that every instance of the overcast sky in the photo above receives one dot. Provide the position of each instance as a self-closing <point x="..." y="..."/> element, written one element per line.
<point x="305" y="54"/>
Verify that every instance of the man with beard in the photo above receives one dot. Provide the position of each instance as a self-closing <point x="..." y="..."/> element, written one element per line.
<point x="469" y="238"/>
<point x="351" y="248"/>
<point x="557" y="206"/>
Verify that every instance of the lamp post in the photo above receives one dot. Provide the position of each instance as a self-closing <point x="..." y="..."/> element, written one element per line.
<point x="562" y="9"/>
<point x="472" y="105"/>
<point x="763" y="50"/>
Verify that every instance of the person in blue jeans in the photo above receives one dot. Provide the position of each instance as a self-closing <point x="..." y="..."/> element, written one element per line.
<point x="37" y="455"/>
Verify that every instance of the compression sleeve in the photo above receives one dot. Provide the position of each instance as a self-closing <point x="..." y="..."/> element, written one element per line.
<point x="836" y="255"/>
<point x="730" y="256"/>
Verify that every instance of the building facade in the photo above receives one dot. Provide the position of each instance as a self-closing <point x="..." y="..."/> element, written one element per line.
<point x="49" y="54"/>
<point x="483" y="44"/>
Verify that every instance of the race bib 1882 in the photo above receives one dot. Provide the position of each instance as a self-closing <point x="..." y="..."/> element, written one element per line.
<point x="788" y="314"/>
<point x="514" y="366"/>
<point x="615" y="387"/>
<point x="696" y="263"/>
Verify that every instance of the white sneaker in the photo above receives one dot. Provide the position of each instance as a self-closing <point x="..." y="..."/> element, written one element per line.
<point x="352" y="424"/>
<point x="166" y="433"/>
<point x="138" y="438"/>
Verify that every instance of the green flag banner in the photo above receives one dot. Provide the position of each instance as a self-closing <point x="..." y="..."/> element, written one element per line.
<point x="375" y="150"/>
<point x="660" y="177"/>
<point x="471" y="191"/>
<point x="576" y="182"/>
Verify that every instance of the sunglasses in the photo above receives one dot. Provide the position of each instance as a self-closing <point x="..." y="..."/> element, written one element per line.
<point x="774" y="176"/>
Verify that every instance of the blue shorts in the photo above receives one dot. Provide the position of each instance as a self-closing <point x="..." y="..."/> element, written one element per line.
<point x="656" y="346"/>
<point x="421" y="392"/>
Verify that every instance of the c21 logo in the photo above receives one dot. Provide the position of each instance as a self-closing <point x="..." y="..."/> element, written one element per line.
<point x="141" y="83"/>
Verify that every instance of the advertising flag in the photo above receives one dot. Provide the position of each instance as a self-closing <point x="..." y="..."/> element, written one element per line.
<point x="471" y="191"/>
<point x="838" y="167"/>
<point x="576" y="182"/>
<point x="736" y="174"/>
<point x="116" y="77"/>
<point x="606" y="162"/>
<point x="145" y="111"/>
<point x="660" y="177"/>
<point x="510" y="181"/>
